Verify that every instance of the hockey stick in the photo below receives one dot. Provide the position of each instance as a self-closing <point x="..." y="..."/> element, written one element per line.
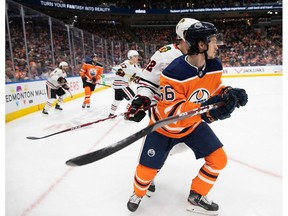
<point x="104" y="85"/>
<point x="98" y="83"/>
<point x="70" y="93"/>
<point x="111" y="149"/>
<point x="73" y="128"/>
<point x="83" y="125"/>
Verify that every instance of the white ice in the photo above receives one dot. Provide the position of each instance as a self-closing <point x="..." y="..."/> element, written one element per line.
<point x="38" y="183"/>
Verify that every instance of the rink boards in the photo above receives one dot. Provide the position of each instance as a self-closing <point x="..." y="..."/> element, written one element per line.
<point x="22" y="98"/>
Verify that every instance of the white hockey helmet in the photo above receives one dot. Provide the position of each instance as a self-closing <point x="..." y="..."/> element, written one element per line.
<point x="132" y="53"/>
<point x="183" y="25"/>
<point x="63" y="63"/>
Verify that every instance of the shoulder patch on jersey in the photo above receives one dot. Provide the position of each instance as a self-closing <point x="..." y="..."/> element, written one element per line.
<point x="164" y="49"/>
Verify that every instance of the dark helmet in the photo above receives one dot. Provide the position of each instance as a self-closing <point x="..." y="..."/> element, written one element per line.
<point x="200" y="31"/>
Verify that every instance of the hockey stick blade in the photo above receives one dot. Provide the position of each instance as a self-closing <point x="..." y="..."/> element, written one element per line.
<point x="84" y="125"/>
<point x="111" y="149"/>
<point x="73" y="128"/>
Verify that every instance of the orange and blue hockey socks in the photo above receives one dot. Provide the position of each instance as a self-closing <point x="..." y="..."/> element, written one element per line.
<point x="142" y="179"/>
<point x="88" y="93"/>
<point x="209" y="172"/>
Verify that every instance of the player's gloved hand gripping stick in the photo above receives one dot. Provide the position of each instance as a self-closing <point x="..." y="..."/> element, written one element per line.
<point x="106" y="151"/>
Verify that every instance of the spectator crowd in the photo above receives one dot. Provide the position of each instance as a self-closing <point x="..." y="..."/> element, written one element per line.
<point x="245" y="44"/>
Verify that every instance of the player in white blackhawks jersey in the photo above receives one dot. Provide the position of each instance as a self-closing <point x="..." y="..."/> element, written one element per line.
<point x="148" y="86"/>
<point x="126" y="72"/>
<point x="55" y="85"/>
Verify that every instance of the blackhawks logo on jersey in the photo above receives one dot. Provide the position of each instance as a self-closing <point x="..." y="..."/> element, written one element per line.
<point x="164" y="49"/>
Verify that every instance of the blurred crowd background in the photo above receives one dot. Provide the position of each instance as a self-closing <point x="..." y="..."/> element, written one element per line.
<point x="37" y="39"/>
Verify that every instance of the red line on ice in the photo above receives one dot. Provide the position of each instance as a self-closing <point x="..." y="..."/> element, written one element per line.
<point x="42" y="196"/>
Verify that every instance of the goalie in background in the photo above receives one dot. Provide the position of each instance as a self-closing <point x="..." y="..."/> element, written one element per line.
<point x="126" y="73"/>
<point x="90" y="73"/>
<point x="189" y="82"/>
<point x="55" y="86"/>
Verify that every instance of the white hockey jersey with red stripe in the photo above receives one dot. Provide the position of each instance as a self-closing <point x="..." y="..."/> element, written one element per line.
<point x="53" y="77"/>
<point x="129" y="69"/>
<point x="150" y="76"/>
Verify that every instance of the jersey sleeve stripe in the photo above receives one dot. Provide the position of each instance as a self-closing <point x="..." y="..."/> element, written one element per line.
<point x="147" y="82"/>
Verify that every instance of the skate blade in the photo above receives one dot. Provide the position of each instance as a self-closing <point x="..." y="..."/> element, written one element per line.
<point x="149" y="193"/>
<point x="197" y="210"/>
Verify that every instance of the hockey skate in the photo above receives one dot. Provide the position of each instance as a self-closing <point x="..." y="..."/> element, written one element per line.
<point x="133" y="202"/>
<point x="151" y="189"/>
<point x="85" y="105"/>
<point x="201" y="205"/>
<point x="57" y="107"/>
<point x="45" y="112"/>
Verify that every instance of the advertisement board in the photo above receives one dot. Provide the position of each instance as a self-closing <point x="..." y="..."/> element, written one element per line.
<point x="26" y="94"/>
<point x="22" y="98"/>
<point x="253" y="71"/>
<point x="114" y="10"/>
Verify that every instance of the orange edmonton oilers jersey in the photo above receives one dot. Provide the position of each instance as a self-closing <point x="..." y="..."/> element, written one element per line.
<point x="90" y="71"/>
<point x="184" y="88"/>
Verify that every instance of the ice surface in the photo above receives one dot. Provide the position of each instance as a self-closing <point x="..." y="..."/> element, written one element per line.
<point x="38" y="183"/>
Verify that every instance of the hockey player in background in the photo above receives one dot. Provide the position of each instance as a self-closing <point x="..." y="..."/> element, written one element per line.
<point x="126" y="72"/>
<point x="90" y="73"/>
<point x="189" y="82"/>
<point x="55" y="86"/>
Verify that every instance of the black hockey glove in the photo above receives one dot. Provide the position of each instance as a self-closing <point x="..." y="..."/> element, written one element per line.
<point x="84" y="79"/>
<point x="135" y="78"/>
<point x="222" y="112"/>
<point x="239" y="93"/>
<point x="61" y="80"/>
<point x="93" y="79"/>
<point x="136" y="112"/>
<point x="120" y="72"/>
<point x="65" y="86"/>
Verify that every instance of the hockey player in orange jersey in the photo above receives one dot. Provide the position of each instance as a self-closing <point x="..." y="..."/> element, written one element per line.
<point x="189" y="82"/>
<point x="148" y="91"/>
<point x="90" y="73"/>
<point x="148" y="86"/>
